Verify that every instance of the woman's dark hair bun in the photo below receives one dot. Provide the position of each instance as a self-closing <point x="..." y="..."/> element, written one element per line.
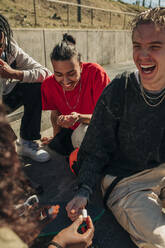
<point x="69" y="38"/>
<point x="65" y="49"/>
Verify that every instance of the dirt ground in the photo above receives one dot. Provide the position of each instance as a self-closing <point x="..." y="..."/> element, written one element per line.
<point x="44" y="14"/>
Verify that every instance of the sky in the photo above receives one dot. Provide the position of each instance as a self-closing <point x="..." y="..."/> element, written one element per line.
<point x="154" y="2"/>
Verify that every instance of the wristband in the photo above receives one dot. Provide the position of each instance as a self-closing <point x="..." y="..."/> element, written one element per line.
<point x="55" y="244"/>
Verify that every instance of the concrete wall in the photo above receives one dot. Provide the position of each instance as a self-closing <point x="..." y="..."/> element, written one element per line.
<point x="100" y="46"/>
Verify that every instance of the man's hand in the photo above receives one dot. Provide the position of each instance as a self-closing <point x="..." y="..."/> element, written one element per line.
<point x="75" y="206"/>
<point x="7" y="72"/>
<point x="70" y="238"/>
<point x="68" y="121"/>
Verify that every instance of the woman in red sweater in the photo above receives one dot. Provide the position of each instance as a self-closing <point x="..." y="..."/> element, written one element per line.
<point x="71" y="94"/>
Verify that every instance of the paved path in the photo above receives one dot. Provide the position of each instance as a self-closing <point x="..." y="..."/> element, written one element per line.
<point x="113" y="70"/>
<point x="59" y="184"/>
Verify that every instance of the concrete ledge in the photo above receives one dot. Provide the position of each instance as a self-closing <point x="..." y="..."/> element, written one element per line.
<point x="99" y="46"/>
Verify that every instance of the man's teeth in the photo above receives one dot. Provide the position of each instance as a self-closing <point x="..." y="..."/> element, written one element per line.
<point x="146" y="66"/>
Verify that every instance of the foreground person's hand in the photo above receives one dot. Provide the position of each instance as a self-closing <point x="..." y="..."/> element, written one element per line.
<point x="70" y="238"/>
<point x="75" y="206"/>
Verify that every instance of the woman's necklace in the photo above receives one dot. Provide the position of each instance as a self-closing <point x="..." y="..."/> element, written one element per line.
<point x="161" y="97"/>
<point x="78" y="99"/>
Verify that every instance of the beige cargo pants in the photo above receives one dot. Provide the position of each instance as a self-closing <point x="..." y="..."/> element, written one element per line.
<point x="78" y="135"/>
<point x="135" y="203"/>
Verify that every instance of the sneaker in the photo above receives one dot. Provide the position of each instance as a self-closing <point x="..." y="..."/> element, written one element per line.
<point x="30" y="149"/>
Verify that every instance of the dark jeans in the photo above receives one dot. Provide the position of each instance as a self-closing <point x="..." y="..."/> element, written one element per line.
<point x="28" y="95"/>
<point x="62" y="143"/>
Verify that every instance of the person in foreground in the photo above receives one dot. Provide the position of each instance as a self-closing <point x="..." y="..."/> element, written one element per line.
<point x="125" y="141"/>
<point x="71" y="94"/>
<point x="19" y="231"/>
<point x="20" y="78"/>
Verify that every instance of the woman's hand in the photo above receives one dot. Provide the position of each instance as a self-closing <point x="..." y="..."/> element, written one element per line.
<point x="68" y="121"/>
<point x="75" y="206"/>
<point x="70" y="238"/>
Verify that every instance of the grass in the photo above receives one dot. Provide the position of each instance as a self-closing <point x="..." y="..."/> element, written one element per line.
<point x="20" y="14"/>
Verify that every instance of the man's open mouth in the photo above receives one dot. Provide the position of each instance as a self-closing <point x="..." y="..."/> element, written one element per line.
<point x="147" y="68"/>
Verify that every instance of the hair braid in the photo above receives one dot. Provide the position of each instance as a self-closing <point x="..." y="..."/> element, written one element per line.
<point x="5" y="28"/>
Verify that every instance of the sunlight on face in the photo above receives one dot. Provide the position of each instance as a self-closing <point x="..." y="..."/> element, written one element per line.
<point x="67" y="73"/>
<point x="149" y="55"/>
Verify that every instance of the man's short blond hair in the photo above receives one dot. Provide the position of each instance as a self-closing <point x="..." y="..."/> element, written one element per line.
<point x="152" y="16"/>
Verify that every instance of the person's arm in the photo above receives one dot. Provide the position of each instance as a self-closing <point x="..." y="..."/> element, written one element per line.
<point x="68" y="121"/>
<point x="54" y="117"/>
<point x="70" y="237"/>
<point x="7" y="72"/>
<point x="27" y="69"/>
<point x="83" y="118"/>
<point x="80" y="200"/>
<point x="56" y="128"/>
<point x="100" y="142"/>
<point x="96" y="149"/>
